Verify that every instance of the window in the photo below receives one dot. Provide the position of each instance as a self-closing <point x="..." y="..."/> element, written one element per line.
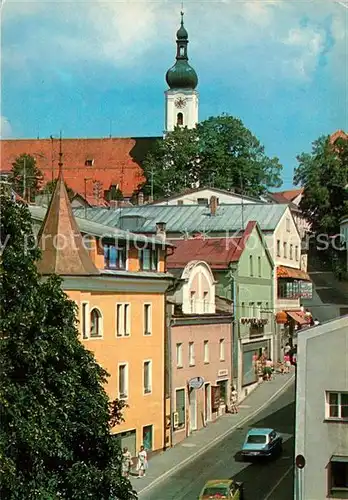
<point x="191" y="354"/>
<point x="123" y="320"/>
<point x="296" y="252"/>
<point x="202" y="201"/>
<point x="206" y="351"/>
<point x="338" y="476"/>
<point x="251" y="309"/>
<point x="257" y="439"/>
<point x="205" y="302"/>
<point x="147" y="377"/>
<point x="278" y="248"/>
<point x="147" y="319"/>
<point x="337" y="405"/>
<point x="123" y="381"/>
<point x="89" y="162"/>
<point x="288" y="224"/>
<point x="182" y="50"/>
<point x="259" y="307"/>
<point x="180" y="202"/>
<point x="288" y="289"/>
<point x="222" y="349"/>
<point x="115" y="256"/>
<point x="243" y="309"/>
<point x="149" y="259"/>
<point x="84" y="312"/>
<point x="180" y="119"/>
<point x="179" y="355"/>
<point x="180" y="406"/>
<point x="96" y="323"/>
<point x="193" y="301"/>
<point x="291" y="257"/>
<point x="251" y="265"/>
<point x="285" y="250"/>
<point x="259" y="266"/>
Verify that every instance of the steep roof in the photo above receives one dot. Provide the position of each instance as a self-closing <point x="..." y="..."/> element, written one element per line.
<point x="289" y="195"/>
<point x="115" y="160"/>
<point x="188" y="218"/>
<point x="339" y="134"/>
<point x="60" y="240"/>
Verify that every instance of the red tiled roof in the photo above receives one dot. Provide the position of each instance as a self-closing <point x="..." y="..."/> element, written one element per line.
<point x="217" y="252"/>
<point x="338" y="134"/>
<point x="287" y="195"/>
<point x="289" y="272"/>
<point x="116" y="160"/>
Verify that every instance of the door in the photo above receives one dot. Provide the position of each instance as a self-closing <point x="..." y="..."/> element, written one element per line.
<point x="148" y="437"/>
<point x="127" y="440"/>
<point x="193" y="410"/>
<point x="207" y="402"/>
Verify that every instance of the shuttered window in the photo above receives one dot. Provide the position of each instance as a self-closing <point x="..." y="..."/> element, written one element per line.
<point x="180" y="406"/>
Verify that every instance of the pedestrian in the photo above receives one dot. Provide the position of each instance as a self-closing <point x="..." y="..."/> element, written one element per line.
<point x="234" y="400"/>
<point x="287" y="363"/>
<point x="316" y="322"/>
<point x="287" y="348"/>
<point x="142" y="463"/>
<point x="126" y="462"/>
<point x="268" y="369"/>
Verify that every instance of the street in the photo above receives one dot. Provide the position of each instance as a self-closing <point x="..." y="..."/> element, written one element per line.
<point x="262" y="481"/>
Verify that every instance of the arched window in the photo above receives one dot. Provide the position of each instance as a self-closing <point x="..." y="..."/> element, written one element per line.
<point x="96" y="323"/>
<point x="180" y="119"/>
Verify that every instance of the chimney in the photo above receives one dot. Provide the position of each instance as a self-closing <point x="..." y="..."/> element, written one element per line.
<point x="161" y="230"/>
<point x="213" y="205"/>
<point x="113" y="204"/>
<point x="140" y="198"/>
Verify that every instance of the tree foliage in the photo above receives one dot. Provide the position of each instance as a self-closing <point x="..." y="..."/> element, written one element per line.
<point x="51" y="185"/>
<point x="55" y="440"/>
<point x="220" y="152"/>
<point x="26" y="177"/>
<point x="324" y="175"/>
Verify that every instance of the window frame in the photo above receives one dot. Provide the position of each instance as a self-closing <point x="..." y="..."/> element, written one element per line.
<point x="147" y="390"/>
<point x="181" y="425"/>
<point x="124" y="248"/>
<point x="125" y="325"/>
<point x="291" y="251"/>
<point x="126" y="393"/>
<point x="222" y="354"/>
<point x="206" y="351"/>
<point x="285" y="249"/>
<point x="259" y="266"/>
<point x="339" y="405"/>
<point x="278" y="249"/>
<point x="179" y="350"/>
<point x="85" y="319"/>
<point x="147" y="319"/>
<point x="251" y="266"/>
<point x="205" y="302"/>
<point x="192" y="301"/>
<point x="191" y="354"/>
<point x="336" y="491"/>
<point x="100" y="323"/>
<point x="153" y="259"/>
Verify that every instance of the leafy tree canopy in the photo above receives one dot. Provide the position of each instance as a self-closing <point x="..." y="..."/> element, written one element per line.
<point x="55" y="440"/>
<point x="26" y="177"/>
<point x="324" y="175"/>
<point x="220" y="152"/>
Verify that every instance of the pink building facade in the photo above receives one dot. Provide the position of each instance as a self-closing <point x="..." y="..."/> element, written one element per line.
<point x="201" y="353"/>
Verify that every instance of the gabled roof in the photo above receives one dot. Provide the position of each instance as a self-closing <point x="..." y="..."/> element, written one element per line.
<point x="204" y="188"/>
<point x="60" y="240"/>
<point x="184" y="219"/>
<point x="287" y="196"/>
<point x="116" y="161"/>
<point x="339" y="134"/>
<point x="217" y="252"/>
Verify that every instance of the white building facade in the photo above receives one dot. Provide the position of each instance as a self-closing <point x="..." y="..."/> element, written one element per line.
<point x="322" y="412"/>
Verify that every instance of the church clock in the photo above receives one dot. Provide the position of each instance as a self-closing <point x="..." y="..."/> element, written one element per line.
<point x="180" y="102"/>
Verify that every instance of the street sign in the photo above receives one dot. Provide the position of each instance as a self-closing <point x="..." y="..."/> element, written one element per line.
<point x="196" y="382"/>
<point x="300" y="461"/>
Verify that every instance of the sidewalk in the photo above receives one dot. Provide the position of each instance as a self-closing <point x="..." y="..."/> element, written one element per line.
<point x="167" y="462"/>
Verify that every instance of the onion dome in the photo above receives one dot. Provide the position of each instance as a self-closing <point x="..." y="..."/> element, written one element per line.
<point x="182" y="75"/>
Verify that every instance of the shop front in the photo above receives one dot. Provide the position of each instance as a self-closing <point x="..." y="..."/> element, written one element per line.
<point x="250" y="353"/>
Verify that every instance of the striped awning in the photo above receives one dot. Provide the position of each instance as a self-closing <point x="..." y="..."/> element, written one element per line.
<point x="290" y="272"/>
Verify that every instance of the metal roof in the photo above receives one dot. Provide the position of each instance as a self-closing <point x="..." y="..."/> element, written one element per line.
<point x="188" y="218"/>
<point x="94" y="228"/>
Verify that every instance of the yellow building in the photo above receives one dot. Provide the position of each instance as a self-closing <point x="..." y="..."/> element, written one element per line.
<point x="118" y="281"/>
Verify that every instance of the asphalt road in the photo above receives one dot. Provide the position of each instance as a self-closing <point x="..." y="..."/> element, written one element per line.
<point x="262" y="480"/>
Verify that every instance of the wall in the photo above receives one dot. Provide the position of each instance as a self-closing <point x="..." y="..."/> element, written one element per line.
<point x="111" y="350"/>
<point x="317" y="372"/>
<point x="200" y="280"/>
<point x="192" y="198"/>
<point x="190" y="112"/>
<point x="209" y="371"/>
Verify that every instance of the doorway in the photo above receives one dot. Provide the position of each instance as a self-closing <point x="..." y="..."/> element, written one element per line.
<point x="193" y="410"/>
<point x="207" y="402"/>
<point x="148" y="437"/>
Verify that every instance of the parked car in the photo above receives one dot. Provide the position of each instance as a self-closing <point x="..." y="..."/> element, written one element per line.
<point x="262" y="443"/>
<point x="222" y="488"/>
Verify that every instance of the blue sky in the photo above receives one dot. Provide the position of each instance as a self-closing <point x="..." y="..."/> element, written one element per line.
<point x="90" y="67"/>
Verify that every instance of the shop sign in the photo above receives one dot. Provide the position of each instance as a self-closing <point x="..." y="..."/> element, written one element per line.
<point x="306" y="289"/>
<point x="215" y="398"/>
<point x="222" y="373"/>
<point x="196" y="383"/>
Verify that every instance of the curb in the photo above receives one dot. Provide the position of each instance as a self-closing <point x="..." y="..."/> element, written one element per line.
<point x="215" y="441"/>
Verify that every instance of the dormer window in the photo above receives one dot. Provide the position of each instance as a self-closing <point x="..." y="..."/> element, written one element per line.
<point x="149" y="259"/>
<point x="115" y="256"/>
<point x="89" y="162"/>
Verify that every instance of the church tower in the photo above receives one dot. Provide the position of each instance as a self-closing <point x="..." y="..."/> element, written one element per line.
<point x="181" y="99"/>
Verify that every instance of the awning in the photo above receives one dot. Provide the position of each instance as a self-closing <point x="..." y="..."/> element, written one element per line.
<point x="289" y="272"/>
<point x="337" y="458"/>
<point x="298" y="317"/>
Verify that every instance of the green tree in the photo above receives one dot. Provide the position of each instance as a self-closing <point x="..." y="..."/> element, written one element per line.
<point x="26" y="177"/>
<point x="55" y="439"/>
<point x="220" y="152"/>
<point x="324" y="175"/>
<point x="51" y="185"/>
<point x="114" y="194"/>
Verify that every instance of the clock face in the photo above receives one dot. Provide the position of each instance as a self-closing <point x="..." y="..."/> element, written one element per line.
<point x="180" y="102"/>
